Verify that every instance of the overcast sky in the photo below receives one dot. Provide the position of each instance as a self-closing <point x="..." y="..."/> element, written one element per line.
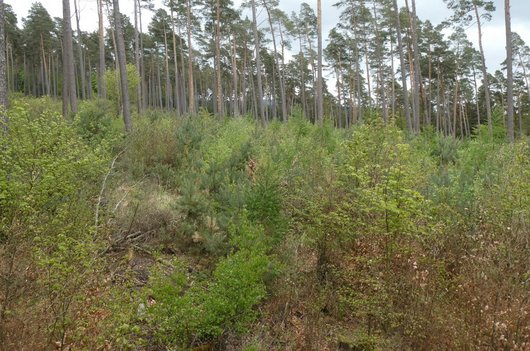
<point x="433" y="10"/>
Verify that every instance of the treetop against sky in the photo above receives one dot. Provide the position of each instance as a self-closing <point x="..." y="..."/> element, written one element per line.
<point x="433" y="10"/>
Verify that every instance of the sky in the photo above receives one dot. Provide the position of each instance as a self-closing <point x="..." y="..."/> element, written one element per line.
<point x="433" y="10"/>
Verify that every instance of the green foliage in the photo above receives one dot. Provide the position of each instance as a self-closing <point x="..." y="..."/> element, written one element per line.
<point x="48" y="179"/>
<point x="184" y="316"/>
<point x="45" y="166"/>
<point x="112" y="81"/>
<point x="95" y="122"/>
<point x="386" y="177"/>
<point x="446" y="150"/>
<point x="389" y="240"/>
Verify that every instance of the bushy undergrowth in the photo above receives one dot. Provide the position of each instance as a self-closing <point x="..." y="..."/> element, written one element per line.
<point x="48" y="180"/>
<point x="224" y="235"/>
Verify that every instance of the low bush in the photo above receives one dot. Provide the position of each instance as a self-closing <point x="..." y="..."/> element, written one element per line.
<point x="48" y="248"/>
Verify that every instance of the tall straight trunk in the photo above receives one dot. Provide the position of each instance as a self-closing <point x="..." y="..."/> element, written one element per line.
<point x="461" y="116"/>
<point x="527" y="84"/>
<point x="302" y="87"/>
<point x="7" y="50"/>
<point x="69" y="91"/>
<point x="428" y="104"/>
<point x="368" y="79"/>
<point x="14" y="84"/>
<point x="42" y="79"/>
<point x="3" y="75"/>
<point x="182" y="85"/>
<point x="149" y="86"/>
<point x="10" y="65"/>
<point x="509" y="67"/>
<point x="266" y="86"/>
<point x="143" y="83"/>
<point x="47" y="67"/>
<point x="320" y="93"/>
<point x="243" y="80"/>
<point x="45" y="74"/>
<point x="191" y="89"/>
<point x="235" y="95"/>
<point x="282" y="76"/>
<point x="272" y="95"/>
<point x="393" y="75"/>
<point x="102" y="93"/>
<point x="80" y="54"/>
<point x="484" y="72"/>
<point x="313" y="79"/>
<point x="360" y="108"/>
<point x="159" y="88"/>
<point x="261" y="103"/>
<point x="416" y="66"/>
<point x="455" y="103"/>
<point x="477" y="104"/>
<point x="137" y="57"/>
<point x="520" y="115"/>
<point x="169" y="100"/>
<point x="123" y="68"/>
<point x="277" y="64"/>
<point x="218" y="82"/>
<point x="113" y="38"/>
<point x="438" y="102"/>
<point x="176" y="66"/>
<point x="89" y="86"/>
<point x="52" y="76"/>
<point x="56" y="76"/>
<point x="339" y="97"/>
<point x="380" y="58"/>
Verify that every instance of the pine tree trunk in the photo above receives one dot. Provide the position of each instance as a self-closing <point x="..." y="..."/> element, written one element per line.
<point x="428" y="104"/>
<point x="243" y="83"/>
<point x="143" y="83"/>
<point x="282" y="76"/>
<point x="219" y="101"/>
<point x="416" y="66"/>
<point x="69" y="90"/>
<point x="168" y="99"/>
<point x="80" y="54"/>
<point x="302" y="86"/>
<point x="191" y="89"/>
<point x="235" y="95"/>
<point x="137" y="57"/>
<point x="380" y="57"/>
<point x="102" y="94"/>
<point x="177" y="84"/>
<point x="339" y="97"/>
<point x="277" y="64"/>
<point x="122" y="67"/>
<point x="509" y="66"/>
<point x="484" y="73"/>
<point x="182" y="86"/>
<point x="527" y="84"/>
<point x="520" y="115"/>
<point x="260" y="101"/>
<point x="393" y="75"/>
<point x="320" y="93"/>
<point x="368" y="78"/>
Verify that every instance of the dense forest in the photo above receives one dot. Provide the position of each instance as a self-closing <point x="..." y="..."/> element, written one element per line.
<point x="205" y="176"/>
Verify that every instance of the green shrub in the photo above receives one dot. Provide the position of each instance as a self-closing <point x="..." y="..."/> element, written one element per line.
<point x="95" y="121"/>
<point x="189" y="315"/>
<point x="48" y="181"/>
<point x="112" y="81"/>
